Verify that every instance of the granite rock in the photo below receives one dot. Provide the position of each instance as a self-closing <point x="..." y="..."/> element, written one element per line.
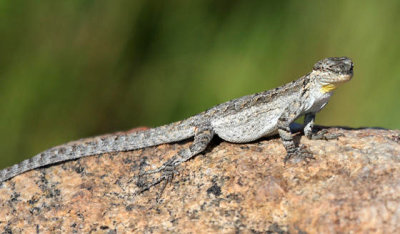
<point x="352" y="185"/>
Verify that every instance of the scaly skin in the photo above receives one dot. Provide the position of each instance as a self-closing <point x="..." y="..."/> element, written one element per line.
<point x="240" y="120"/>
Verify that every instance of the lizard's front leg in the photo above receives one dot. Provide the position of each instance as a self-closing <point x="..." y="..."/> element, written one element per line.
<point x="320" y="135"/>
<point x="202" y="138"/>
<point x="309" y="125"/>
<point x="288" y="116"/>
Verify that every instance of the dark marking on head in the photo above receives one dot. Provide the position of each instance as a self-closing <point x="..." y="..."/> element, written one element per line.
<point x="338" y="65"/>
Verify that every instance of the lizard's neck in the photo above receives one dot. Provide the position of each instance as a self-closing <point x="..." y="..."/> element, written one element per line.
<point x="317" y="97"/>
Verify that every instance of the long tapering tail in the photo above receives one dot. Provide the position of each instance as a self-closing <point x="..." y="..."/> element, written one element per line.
<point x="103" y="144"/>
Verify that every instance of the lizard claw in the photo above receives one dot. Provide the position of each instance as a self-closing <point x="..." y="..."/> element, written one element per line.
<point x="300" y="154"/>
<point x="167" y="170"/>
<point x="325" y="135"/>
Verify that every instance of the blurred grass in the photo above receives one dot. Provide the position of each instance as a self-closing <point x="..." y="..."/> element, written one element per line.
<point x="74" y="69"/>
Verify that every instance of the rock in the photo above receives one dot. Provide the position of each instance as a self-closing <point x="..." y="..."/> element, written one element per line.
<point x="352" y="185"/>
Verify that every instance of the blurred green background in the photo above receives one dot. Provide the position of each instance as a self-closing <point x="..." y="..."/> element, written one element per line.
<point x="73" y="69"/>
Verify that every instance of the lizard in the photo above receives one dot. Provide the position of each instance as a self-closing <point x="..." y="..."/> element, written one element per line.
<point x="240" y="120"/>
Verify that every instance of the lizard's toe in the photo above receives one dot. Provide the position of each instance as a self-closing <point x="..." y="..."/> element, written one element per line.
<point x="299" y="155"/>
<point x="324" y="134"/>
<point x="167" y="170"/>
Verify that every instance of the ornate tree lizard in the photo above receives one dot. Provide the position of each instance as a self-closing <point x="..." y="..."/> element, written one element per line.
<point x="240" y="120"/>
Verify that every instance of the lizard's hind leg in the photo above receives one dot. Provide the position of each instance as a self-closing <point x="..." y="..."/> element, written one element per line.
<point x="202" y="138"/>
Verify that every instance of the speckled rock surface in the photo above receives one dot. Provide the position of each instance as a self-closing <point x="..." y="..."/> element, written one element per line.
<point x="353" y="185"/>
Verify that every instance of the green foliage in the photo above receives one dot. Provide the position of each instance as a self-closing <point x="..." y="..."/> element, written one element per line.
<point x="72" y="69"/>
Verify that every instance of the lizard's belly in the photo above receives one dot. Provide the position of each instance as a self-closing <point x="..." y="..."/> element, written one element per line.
<point x="246" y="126"/>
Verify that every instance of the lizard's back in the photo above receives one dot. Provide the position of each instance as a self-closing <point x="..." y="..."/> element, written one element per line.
<point x="254" y="116"/>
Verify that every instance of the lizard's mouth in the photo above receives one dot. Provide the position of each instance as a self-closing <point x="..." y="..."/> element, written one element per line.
<point x="342" y="78"/>
<point x="332" y="83"/>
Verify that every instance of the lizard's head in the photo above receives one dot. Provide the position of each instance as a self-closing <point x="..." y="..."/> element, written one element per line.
<point x="333" y="71"/>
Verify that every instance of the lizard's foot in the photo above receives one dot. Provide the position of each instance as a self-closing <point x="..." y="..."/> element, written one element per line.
<point x="325" y="135"/>
<point x="300" y="154"/>
<point x="167" y="170"/>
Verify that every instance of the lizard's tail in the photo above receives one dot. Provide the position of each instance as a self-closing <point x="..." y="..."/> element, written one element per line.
<point x="103" y="144"/>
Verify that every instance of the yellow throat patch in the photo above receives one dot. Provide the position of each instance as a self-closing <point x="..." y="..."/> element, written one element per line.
<point x="329" y="87"/>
